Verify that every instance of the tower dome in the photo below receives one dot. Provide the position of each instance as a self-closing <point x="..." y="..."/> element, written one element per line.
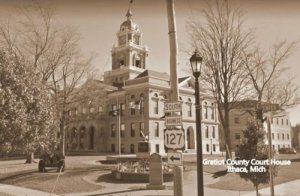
<point x="129" y="24"/>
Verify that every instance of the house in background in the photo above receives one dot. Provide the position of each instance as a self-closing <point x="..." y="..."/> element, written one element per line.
<point x="244" y="111"/>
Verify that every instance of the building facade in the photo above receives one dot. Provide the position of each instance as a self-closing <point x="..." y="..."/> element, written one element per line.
<point x="127" y="107"/>
<point x="244" y="111"/>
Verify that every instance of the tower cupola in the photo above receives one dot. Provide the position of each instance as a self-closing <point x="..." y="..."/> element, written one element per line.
<point x="129" y="51"/>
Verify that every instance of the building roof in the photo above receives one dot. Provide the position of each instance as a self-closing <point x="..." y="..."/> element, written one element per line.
<point x="155" y="74"/>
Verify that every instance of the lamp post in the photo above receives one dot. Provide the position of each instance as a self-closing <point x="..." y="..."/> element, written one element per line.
<point x="196" y="63"/>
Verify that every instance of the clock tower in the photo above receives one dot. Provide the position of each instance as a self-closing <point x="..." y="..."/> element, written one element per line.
<point x="128" y="55"/>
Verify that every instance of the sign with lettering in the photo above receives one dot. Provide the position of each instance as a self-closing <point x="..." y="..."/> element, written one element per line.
<point x="174" y="139"/>
<point x="173" y="121"/>
<point x="172" y="107"/>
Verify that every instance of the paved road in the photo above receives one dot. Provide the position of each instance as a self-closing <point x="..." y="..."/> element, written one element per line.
<point x="138" y="189"/>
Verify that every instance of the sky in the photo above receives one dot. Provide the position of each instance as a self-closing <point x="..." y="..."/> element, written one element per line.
<point x="97" y="21"/>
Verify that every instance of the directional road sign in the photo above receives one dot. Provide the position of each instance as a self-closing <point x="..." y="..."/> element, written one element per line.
<point x="173" y="106"/>
<point x="173" y="121"/>
<point x="175" y="158"/>
<point x="174" y="139"/>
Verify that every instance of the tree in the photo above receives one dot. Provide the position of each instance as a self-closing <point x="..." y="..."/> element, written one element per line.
<point x="253" y="147"/>
<point x="26" y="123"/>
<point x="265" y="73"/>
<point x="222" y="42"/>
<point x="52" y="52"/>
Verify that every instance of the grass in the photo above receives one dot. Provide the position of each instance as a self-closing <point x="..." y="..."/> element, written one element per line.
<point x="284" y="174"/>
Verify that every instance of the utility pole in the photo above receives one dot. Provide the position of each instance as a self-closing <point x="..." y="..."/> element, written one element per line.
<point x="178" y="170"/>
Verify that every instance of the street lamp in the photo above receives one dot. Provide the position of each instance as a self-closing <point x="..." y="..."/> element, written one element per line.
<point x="196" y="63"/>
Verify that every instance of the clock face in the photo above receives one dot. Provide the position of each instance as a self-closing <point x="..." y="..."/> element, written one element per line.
<point x="122" y="40"/>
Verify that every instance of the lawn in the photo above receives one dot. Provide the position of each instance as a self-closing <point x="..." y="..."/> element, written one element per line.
<point x="232" y="181"/>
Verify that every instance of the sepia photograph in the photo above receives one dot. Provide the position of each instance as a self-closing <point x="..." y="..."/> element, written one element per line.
<point x="149" y="98"/>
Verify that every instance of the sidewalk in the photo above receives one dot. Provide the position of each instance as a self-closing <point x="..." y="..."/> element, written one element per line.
<point x="9" y="190"/>
<point x="139" y="189"/>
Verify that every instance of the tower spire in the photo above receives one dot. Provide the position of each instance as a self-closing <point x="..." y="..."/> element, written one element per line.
<point x="129" y="13"/>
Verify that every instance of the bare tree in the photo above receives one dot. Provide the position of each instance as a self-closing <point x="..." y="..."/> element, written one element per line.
<point x="51" y="51"/>
<point x="222" y="42"/>
<point x="265" y="72"/>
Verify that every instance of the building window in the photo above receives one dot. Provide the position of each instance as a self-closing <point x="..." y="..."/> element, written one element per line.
<point x="156" y="129"/>
<point x="213" y="132"/>
<point x="277" y="121"/>
<point x="206" y="132"/>
<point x="272" y="136"/>
<point x="122" y="130"/>
<point x="131" y="148"/>
<point x="287" y="136"/>
<point x="287" y="122"/>
<point x="122" y="148"/>
<point x="155" y="103"/>
<point x="189" y="107"/>
<point x="113" y="148"/>
<point x="236" y="120"/>
<point x="282" y="121"/>
<point x="122" y="105"/>
<point x="214" y="147"/>
<point x="100" y="109"/>
<point x="132" y="131"/>
<point x="189" y="110"/>
<point x="113" y="130"/>
<point x="278" y="136"/>
<point x="283" y="136"/>
<point x="157" y="148"/>
<point x="207" y="148"/>
<point x="142" y="129"/>
<point x="205" y="111"/>
<point x="142" y="103"/>
<point x="92" y="110"/>
<point x="132" y="105"/>
<point x="237" y="136"/>
<point x="278" y="147"/>
<point x="212" y="113"/>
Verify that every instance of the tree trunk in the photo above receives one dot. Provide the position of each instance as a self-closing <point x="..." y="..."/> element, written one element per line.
<point x="62" y="134"/>
<point x="30" y="158"/>
<point x="227" y="132"/>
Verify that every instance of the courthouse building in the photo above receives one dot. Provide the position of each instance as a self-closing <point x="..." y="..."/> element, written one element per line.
<point x="139" y="93"/>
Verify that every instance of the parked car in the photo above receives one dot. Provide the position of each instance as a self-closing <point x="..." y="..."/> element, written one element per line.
<point x="287" y="151"/>
<point x="51" y="161"/>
